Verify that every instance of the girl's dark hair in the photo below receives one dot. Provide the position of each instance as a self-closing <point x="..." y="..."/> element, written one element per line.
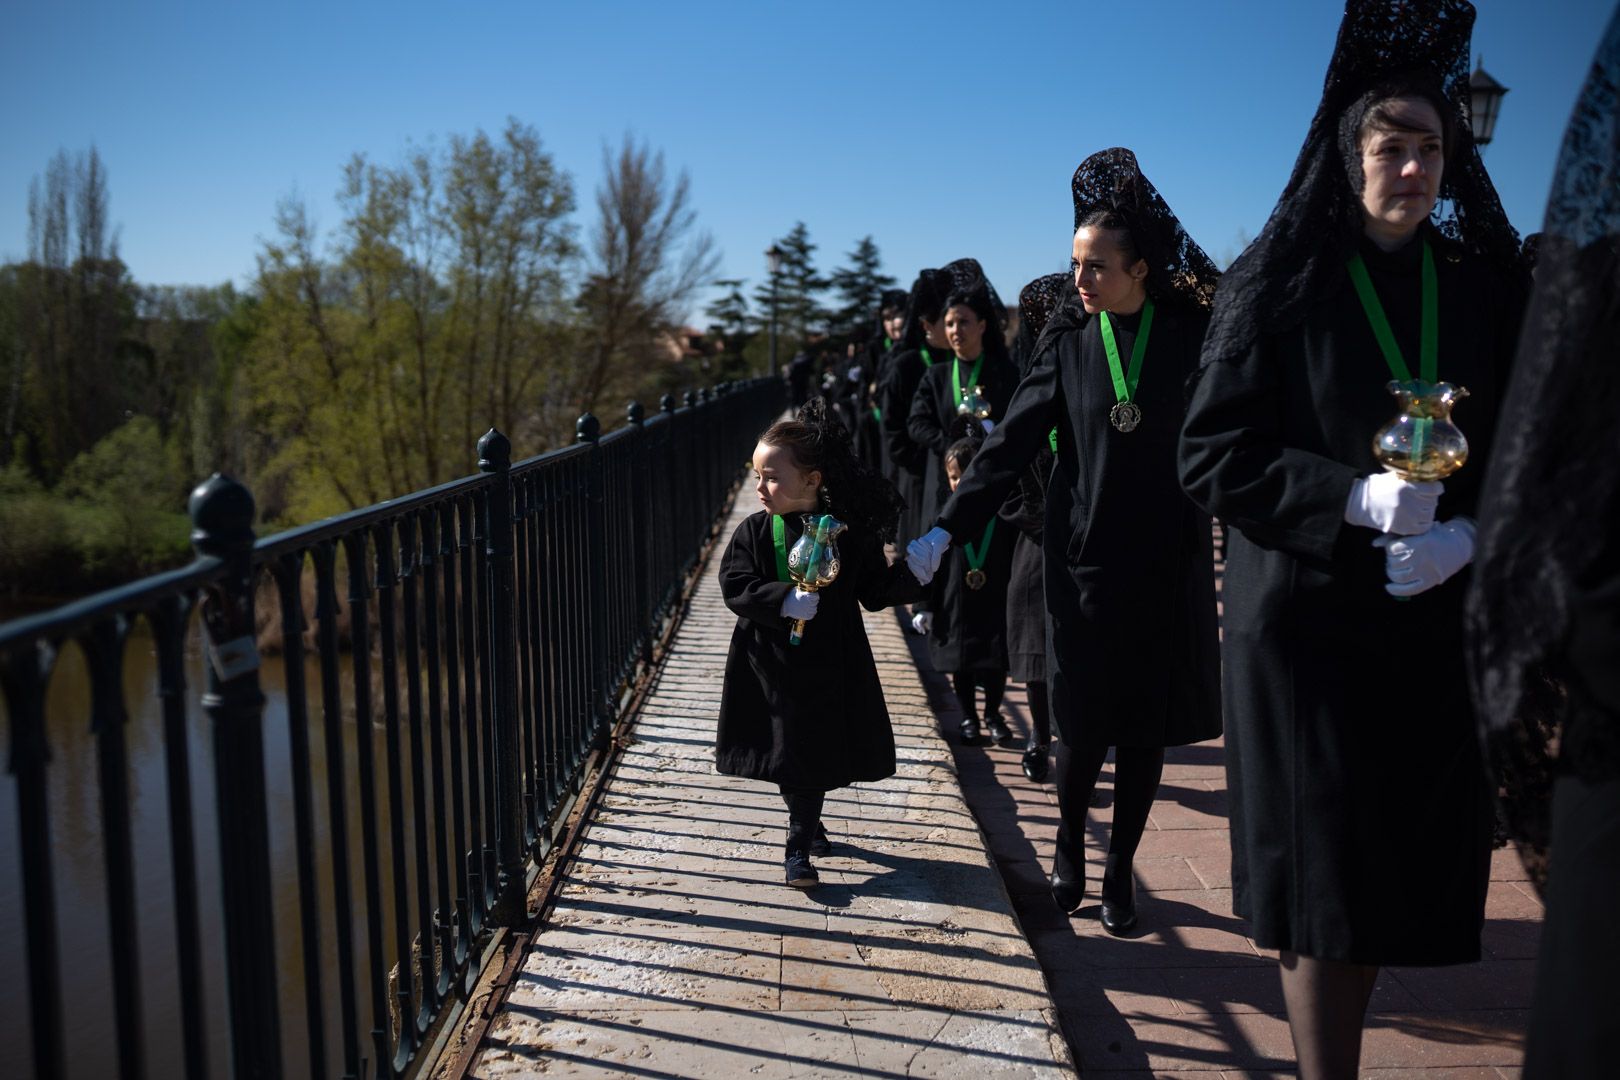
<point x="851" y="492"/>
<point x="961" y="452"/>
<point x="1114" y="221"/>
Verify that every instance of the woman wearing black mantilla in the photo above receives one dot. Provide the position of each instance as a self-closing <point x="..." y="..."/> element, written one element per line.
<point x="1544" y="609"/>
<point x="1130" y="596"/>
<point x="1361" y="820"/>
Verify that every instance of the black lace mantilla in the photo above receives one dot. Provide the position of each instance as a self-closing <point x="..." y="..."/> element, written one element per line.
<point x="1036" y="302"/>
<point x="1177" y="266"/>
<point x="1300" y="254"/>
<point x="1549" y="528"/>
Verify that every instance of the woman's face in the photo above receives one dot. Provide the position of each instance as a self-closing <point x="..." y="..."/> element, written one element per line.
<point x="934" y="331"/>
<point x="1100" y="274"/>
<point x="783" y="487"/>
<point x="1401" y="171"/>
<point x="965" y="332"/>
<point x="894" y="324"/>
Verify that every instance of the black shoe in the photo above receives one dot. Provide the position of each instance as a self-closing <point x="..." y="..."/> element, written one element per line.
<point x="970" y="731"/>
<point x="997" y="727"/>
<point x="821" y="846"/>
<point x="1036" y="762"/>
<point x="1068" y="885"/>
<point x="800" y="874"/>
<point x="1119" y="901"/>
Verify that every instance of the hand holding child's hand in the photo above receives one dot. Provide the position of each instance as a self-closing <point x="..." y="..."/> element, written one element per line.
<point x="924" y="553"/>
<point x="922" y="622"/>
<point x="800" y="604"/>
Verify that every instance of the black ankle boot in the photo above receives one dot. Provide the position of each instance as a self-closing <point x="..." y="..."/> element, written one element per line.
<point x="820" y="844"/>
<point x="1118" y="897"/>
<point x="1036" y="762"/>
<point x="1068" y="883"/>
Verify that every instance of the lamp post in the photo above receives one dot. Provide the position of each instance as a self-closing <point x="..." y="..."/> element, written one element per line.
<point x="1484" y="102"/>
<point x="773" y="263"/>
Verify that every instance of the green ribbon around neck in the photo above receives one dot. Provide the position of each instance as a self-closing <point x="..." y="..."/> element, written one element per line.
<point x="779" y="534"/>
<point x="1125" y="382"/>
<point x="928" y="361"/>
<point x="976" y="556"/>
<point x="888" y="343"/>
<point x="1429" y="332"/>
<point x="956" y="377"/>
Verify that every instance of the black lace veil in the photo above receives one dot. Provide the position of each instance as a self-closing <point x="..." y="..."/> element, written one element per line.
<point x="1549" y="526"/>
<point x="1036" y="302"/>
<point x="1178" y="269"/>
<point x="928" y="292"/>
<point x="1300" y="254"/>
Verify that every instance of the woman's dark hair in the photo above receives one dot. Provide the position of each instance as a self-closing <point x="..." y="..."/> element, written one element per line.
<point x="1113" y="221"/>
<point x="1379" y="111"/>
<point x="975" y="296"/>
<point x="853" y="493"/>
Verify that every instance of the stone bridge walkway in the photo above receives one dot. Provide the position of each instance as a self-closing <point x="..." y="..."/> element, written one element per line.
<point x="932" y="947"/>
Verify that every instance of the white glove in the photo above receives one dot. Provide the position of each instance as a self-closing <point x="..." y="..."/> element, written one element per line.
<point x="924" y="553"/>
<point x="922" y="622"/>
<point x="1385" y="502"/>
<point x="1416" y="564"/>
<point x="989" y="425"/>
<point x="800" y="604"/>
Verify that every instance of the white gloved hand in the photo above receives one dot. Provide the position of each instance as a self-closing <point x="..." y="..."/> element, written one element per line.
<point x="922" y="622"/>
<point x="989" y="425"/>
<point x="924" y="553"/>
<point x="1385" y="502"/>
<point x="1416" y="564"/>
<point x="800" y="604"/>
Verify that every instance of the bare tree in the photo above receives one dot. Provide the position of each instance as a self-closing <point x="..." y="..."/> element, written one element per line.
<point x="648" y="262"/>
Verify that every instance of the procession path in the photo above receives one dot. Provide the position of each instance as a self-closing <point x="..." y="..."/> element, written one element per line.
<point x="674" y="949"/>
<point x="1189" y="993"/>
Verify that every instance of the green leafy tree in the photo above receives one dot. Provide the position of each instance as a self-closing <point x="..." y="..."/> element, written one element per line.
<point x="733" y="324"/>
<point x="799" y="286"/>
<point x="860" y="288"/>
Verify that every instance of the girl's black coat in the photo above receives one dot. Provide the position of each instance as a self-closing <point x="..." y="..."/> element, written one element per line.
<point x="1130" y="594"/>
<point x="933" y="415"/>
<point x="970" y="625"/>
<point x="1361" y="823"/>
<point x="809" y="715"/>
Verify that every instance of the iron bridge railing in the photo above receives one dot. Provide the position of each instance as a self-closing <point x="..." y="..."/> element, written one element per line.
<point x="493" y="625"/>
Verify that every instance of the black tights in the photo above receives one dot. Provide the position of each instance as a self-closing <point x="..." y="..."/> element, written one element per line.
<point x="1040" y="714"/>
<point x="804" y="816"/>
<point x="1136" y="783"/>
<point x="994" y="683"/>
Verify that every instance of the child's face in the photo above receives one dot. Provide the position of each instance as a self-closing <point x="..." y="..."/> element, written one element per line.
<point x="782" y="486"/>
<point x="953" y="472"/>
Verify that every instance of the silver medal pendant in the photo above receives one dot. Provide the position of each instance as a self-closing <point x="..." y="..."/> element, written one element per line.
<point x="1125" y="416"/>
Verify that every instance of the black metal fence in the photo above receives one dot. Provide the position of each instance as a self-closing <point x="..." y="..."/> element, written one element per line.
<point x="493" y="625"/>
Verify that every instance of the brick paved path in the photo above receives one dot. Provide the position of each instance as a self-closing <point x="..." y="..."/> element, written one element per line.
<point x="1189" y="994"/>
<point x="675" y="950"/>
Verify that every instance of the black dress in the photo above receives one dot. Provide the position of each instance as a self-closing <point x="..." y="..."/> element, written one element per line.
<point x="969" y="631"/>
<point x="1129" y="577"/>
<point x="933" y="414"/>
<point x="1361" y="822"/>
<point x="810" y="715"/>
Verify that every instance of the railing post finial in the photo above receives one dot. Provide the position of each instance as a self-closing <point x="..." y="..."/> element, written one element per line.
<point x="588" y="428"/>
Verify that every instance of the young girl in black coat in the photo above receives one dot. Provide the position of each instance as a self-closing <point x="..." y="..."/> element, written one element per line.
<point x="810" y="716"/>
<point x="965" y="615"/>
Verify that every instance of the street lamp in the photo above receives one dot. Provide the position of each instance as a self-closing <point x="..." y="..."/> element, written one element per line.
<point x="773" y="263"/>
<point x="1484" y="102"/>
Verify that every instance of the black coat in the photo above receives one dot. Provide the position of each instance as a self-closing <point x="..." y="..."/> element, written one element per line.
<point x="809" y="715"/>
<point x="1025" y="510"/>
<point x="1129" y="575"/>
<point x="933" y="422"/>
<point x="904" y="371"/>
<point x="863" y="394"/>
<point x="969" y="632"/>
<point x="1360" y="817"/>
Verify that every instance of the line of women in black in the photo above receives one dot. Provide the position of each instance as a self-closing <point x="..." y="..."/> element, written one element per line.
<point x="1360" y="810"/>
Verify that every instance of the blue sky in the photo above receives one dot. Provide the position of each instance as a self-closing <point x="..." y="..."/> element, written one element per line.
<point x="940" y="129"/>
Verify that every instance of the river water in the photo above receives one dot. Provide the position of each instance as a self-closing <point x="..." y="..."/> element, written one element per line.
<point x="79" y="876"/>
